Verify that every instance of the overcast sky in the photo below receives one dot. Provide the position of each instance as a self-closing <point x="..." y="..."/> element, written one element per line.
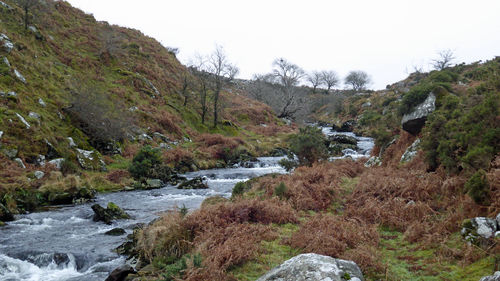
<point x="385" y="38"/>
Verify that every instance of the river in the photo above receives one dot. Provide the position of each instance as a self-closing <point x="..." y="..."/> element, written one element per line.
<point x="66" y="244"/>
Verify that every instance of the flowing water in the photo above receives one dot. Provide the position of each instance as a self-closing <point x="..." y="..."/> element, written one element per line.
<point x="365" y="145"/>
<point x="65" y="244"/>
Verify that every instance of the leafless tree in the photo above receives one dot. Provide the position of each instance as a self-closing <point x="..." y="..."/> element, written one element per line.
<point x="358" y="80"/>
<point x="330" y="79"/>
<point x="198" y="66"/>
<point x="27" y="5"/>
<point x="315" y="78"/>
<point x="446" y="57"/>
<point x="222" y="72"/>
<point x="103" y="119"/>
<point x="287" y="76"/>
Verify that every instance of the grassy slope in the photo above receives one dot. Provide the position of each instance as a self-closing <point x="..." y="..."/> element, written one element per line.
<point x="397" y="221"/>
<point x="74" y="52"/>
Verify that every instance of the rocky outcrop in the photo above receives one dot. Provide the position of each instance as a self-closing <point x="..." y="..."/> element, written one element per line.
<point x="90" y="160"/>
<point x="109" y="214"/>
<point x="307" y="267"/>
<point x="347" y="126"/>
<point x="414" y="121"/>
<point x="196" y="183"/>
<point x="410" y="152"/>
<point x="23" y="121"/>
<point x="494" y="277"/>
<point x="6" y="43"/>
<point x="478" y="230"/>
<point x="343" y="139"/>
<point x="19" y="76"/>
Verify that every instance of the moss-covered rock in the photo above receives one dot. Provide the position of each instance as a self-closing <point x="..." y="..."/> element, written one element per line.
<point x="90" y="160"/>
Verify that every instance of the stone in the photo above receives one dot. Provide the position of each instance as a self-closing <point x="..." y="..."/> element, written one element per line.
<point x="366" y="104"/>
<point x="60" y="115"/>
<point x="161" y="137"/>
<point x="347" y="126"/>
<point x="56" y="162"/>
<point x="6" y="61"/>
<point x="6" y="43"/>
<point x="20" y="163"/>
<point x="307" y="267"/>
<point x="410" y="152"/>
<point x="150" y="85"/>
<point x="144" y="137"/>
<point x="494" y="277"/>
<point x="1" y="134"/>
<point x="5" y="5"/>
<point x="32" y="29"/>
<point x="373" y="161"/>
<point x="343" y="139"/>
<point x="414" y="121"/>
<point x="51" y="150"/>
<point x="153" y="183"/>
<point x="12" y="94"/>
<point x="41" y="102"/>
<point x="485" y="227"/>
<point x="195" y="183"/>
<point x="165" y="146"/>
<point x="39" y="174"/>
<point x="34" y="115"/>
<point x="133" y="108"/>
<point x="120" y="273"/>
<point x="23" y="120"/>
<point x="117" y="231"/>
<point x="109" y="214"/>
<point x="10" y="152"/>
<point x="90" y="160"/>
<point x="19" y="76"/>
<point x="71" y="142"/>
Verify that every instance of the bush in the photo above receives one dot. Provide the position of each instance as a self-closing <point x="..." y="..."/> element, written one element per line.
<point x="414" y="97"/>
<point x="288" y="164"/>
<point x="478" y="187"/>
<point x="309" y="145"/>
<point x="280" y="190"/>
<point x="240" y="188"/>
<point x="148" y="164"/>
<point x="68" y="167"/>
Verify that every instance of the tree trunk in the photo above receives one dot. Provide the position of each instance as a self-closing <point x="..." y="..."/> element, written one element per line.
<point x="25" y="18"/>
<point x="216" y="109"/>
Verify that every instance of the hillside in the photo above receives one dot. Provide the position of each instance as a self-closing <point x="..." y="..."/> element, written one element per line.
<point x="412" y="212"/>
<point x="87" y="96"/>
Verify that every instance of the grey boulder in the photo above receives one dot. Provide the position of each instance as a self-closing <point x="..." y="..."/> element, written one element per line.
<point x="307" y="267"/>
<point x="414" y="121"/>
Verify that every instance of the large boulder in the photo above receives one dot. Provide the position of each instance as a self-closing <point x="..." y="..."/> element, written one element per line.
<point x="6" y="43"/>
<point x="478" y="230"/>
<point x="347" y="126"/>
<point x="414" y="121"/>
<point x="90" y="160"/>
<point x="196" y="183"/>
<point x="120" y="273"/>
<point x="343" y="139"/>
<point x="373" y="161"/>
<point x="410" y="152"/>
<point x="314" y="267"/>
<point x="109" y="214"/>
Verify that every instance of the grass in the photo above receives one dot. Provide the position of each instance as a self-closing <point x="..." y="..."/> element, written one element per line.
<point x="409" y="261"/>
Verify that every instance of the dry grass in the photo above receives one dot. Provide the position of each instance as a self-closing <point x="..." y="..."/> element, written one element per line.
<point x="333" y="235"/>
<point x="117" y="176"/>
<point x="312" y="188"/>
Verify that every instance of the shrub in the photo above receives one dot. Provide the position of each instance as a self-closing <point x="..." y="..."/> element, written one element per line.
<point x="240" y="188"/>
<point x="148" y="164"/>
<point x="288" y="164"/>
<point x="478" y="187"/>
<point x="309" y="145"/>
<point x="280" y="190"/>
<point x="415" y="96"/>
<point x="68" y="167"/>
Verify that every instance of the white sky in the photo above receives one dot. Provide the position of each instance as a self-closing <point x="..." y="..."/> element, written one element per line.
<point x="381" y="37"/>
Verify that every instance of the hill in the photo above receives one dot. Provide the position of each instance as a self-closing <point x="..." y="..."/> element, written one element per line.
<point x="84" y="97"/>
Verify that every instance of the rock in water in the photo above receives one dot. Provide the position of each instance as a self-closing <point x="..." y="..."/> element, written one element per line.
<point x="109" y="214"/>
<point x="414" y="121"/>
<point x="196" y="183"/>
<point x="307" y="267"/>
<point x="120" y="273"/>
<point x="115" y="232"/>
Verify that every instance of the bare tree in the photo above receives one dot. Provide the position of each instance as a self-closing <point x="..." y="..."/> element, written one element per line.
<point x="222" y="73"/>
<point x="358" y="80"/>
<point x="198" y="66"/>
<point x="287" y="75"/>
<point x="446" y="57"/>
<point x="315" y="79"/>
<point x="27" y="5"/>
<point x="186" y="85"/>
<point x="330" y="79"/>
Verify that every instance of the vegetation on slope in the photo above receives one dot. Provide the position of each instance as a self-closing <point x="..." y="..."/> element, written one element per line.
<point x="93" y="86"/>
